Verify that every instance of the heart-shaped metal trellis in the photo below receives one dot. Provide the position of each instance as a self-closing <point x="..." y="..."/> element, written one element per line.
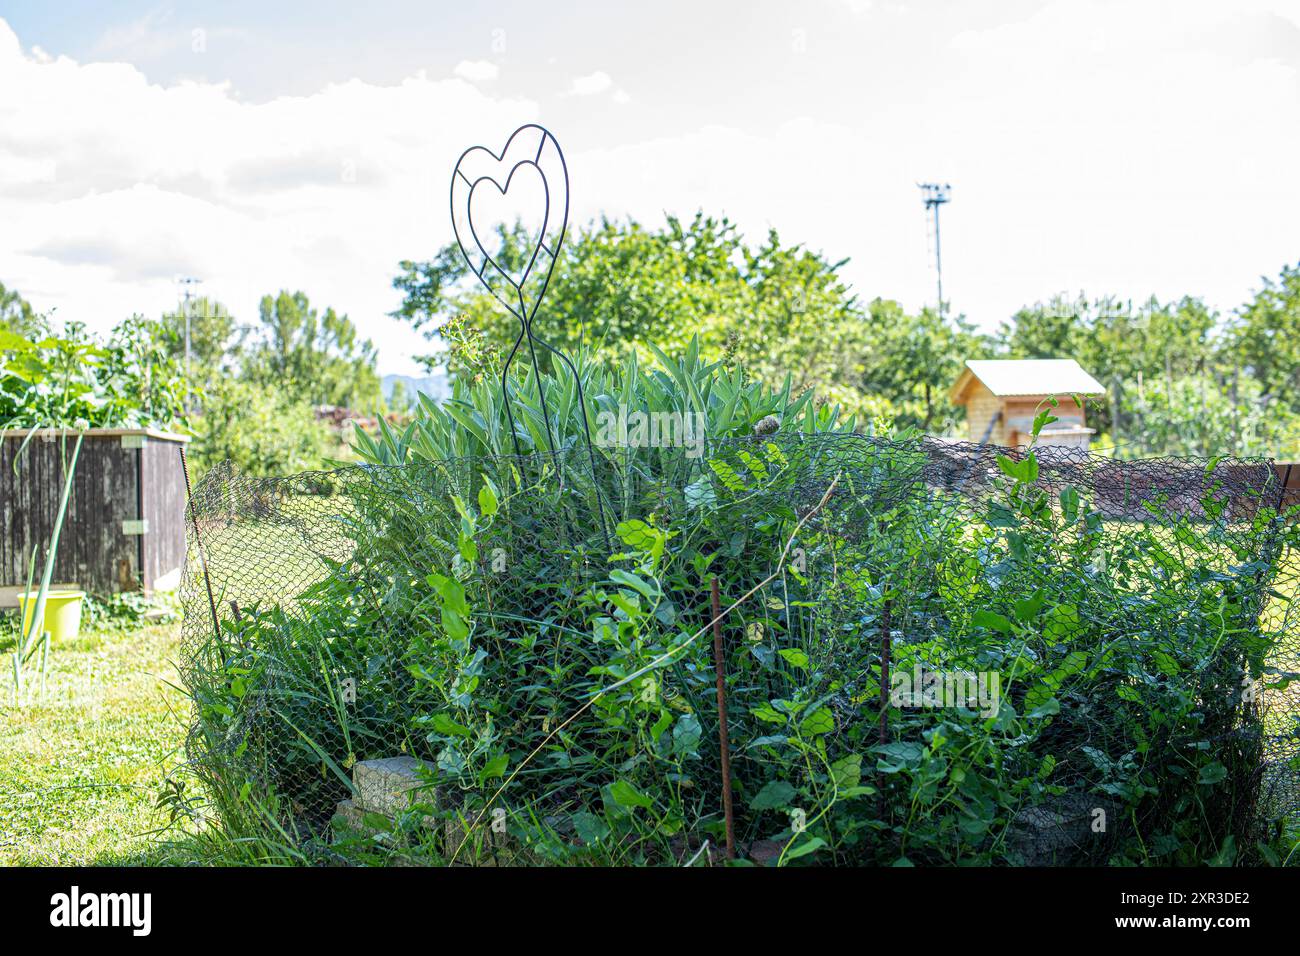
<point x="531" y="153"/>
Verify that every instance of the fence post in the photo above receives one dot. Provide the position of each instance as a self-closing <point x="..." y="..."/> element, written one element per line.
<point x="886" y="633"/>
<point x="724" y="743"/>
<point x="198" y="547"/>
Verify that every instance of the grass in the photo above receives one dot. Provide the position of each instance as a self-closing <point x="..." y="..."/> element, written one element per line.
<point x="269" y="557"/>
<point x="80" y="771"/>
<point x="83" y="767"/>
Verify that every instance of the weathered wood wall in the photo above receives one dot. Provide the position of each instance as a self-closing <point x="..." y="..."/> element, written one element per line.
<point x="1288" y="473"/>
<point x="162" y="482"/>
<point x="113" y="484"/>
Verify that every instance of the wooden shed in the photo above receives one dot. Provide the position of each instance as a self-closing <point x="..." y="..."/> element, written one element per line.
<point x="125" y="524"/>
<point x="1003" y="396"/>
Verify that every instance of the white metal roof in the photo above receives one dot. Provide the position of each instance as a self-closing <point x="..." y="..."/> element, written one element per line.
<point x="1006" y="377"/>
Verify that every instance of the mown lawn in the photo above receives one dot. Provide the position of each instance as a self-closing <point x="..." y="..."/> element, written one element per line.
<point x="81" y="770"/>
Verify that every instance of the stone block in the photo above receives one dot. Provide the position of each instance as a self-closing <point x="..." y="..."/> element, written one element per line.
<point x="391" y="785"/>
<point x="348" y="816"/>
<point x="493" y="846"/>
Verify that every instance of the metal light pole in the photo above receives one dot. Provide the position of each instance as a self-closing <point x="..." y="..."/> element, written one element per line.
<point x="188" y="282"/>
<point x="935" y="195"/>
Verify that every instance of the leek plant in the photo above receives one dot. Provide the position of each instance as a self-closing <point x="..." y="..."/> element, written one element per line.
<point x="473" y="422"/>
<point x="33" y="638"/>
<point x="72" y="382"/>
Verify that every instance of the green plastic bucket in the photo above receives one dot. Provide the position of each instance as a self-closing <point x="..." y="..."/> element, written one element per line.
<point x="62" y="613"/>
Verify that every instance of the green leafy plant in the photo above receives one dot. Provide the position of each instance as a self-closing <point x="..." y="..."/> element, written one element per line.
<point x="68" y="384"/>
<point x="531" y="635"/>
<point x="73" y="381"/>
<point x="474" y="421"/>
<point x="32" y="639"/>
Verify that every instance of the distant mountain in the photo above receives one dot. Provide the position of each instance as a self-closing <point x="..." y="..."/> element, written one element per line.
<point x="435" y="386"/>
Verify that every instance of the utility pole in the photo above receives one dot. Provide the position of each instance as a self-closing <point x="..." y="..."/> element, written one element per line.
<point x="935" y="195"/>
<point x="188" y="282"/>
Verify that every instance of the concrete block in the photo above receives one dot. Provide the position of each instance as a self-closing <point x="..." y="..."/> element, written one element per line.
<point x="391" y="785"/>
<point x="348" y="816"/>
<point x="494" y="847"/>
<point x="1055" y="834"/>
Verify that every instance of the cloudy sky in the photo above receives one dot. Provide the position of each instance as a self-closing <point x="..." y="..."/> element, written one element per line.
<point x="1127" y="148"/>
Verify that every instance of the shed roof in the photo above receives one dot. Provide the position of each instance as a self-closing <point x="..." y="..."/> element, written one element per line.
<point x="51" y="433"/>
<point x="1008" y="377"/>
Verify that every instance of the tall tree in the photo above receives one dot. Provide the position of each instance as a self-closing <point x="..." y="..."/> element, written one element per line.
<point x="913" y="360"/>
<point x="211" y="334"/>
<point x="1265" y="337"/>
<point x="17" y="314"/>
<point x="777" y="309"/>
<point x="616" y="285"/>
<point x="1127" y="348"/>
<point x="1114" y="340"/>
<point x="315" y="356"/>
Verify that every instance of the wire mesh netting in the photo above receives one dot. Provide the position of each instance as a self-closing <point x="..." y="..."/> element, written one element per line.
<point x="933" y="651"/>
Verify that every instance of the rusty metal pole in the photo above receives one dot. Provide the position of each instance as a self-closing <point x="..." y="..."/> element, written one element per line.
<point x="203" y="557"/>
<point x="886" y="639"/>
<point x="724" y="742"/>
<point x="886" y="635"/>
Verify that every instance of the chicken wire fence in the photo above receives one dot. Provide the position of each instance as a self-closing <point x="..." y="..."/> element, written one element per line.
<point x="940" y="651"/>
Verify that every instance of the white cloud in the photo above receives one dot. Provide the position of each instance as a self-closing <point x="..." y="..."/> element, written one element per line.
<point x="1091" y="146"/>
<point x="111" y="186"/>
<point x="591" y="84"/>
<point x="1089" y="149"/>
<point x="594" y="84"/>
<point x="146" y="36"/>
<point x="477" y="71"/>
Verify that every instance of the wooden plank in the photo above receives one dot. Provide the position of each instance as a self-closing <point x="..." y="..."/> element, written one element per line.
<point x="1288" y="473"/>
<point x="27" y="479"/>
<point x="55" y="433"/>
<point x="162" y="483"/>
<point x="6" y="510"/>
<point x="8" y="493"/>
<point x="92" y="549"/>
<point x="53" y="477"/>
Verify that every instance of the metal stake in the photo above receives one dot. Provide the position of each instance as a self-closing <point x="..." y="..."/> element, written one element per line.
<point x="203" y="558"/>
<point x="724" y="743"/>
<point x="886" y="633"/>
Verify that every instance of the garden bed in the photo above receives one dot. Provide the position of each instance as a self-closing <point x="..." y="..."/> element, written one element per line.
<point x="532" y="631"/>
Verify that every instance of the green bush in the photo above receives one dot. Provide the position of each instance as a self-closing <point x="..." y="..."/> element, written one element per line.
<point x="476" y="422"/>
<point x="75" y="381"/>
<point x="536" y="631"/>
<point x="259" y="430"/>
<point x="1199" y="415"/>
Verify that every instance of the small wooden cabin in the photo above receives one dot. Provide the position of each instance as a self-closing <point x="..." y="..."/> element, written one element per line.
<point x="125" y="525"/>
<point x="1003" y="396"/>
